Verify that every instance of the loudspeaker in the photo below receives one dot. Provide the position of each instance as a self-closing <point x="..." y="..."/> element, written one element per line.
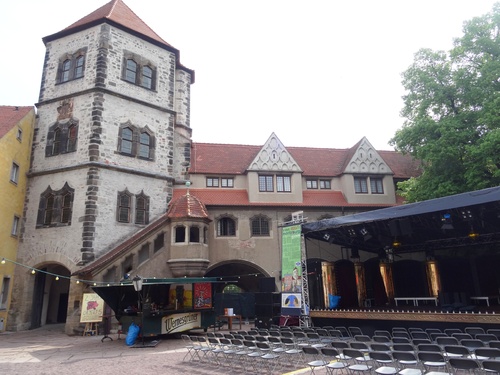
<point x="267" y="285"/>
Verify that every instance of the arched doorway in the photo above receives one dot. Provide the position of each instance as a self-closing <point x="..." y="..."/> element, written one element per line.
<point x="246" y="276"/>
<point x="50" y="295"/>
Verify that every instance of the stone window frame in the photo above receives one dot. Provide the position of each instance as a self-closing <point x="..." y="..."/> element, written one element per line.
<point x="223" y="226"/>
<point x="55" y="208"/>
<point x="133" y="145"/>
<point x="144" y="73"/>
<point x="130" y="206"/>
<point x="260" y="226"/>
<point x="62" y="138"/>
<point x="71" y="66"/>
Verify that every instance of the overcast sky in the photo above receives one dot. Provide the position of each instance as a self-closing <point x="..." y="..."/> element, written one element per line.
<point x="318" y="73"/>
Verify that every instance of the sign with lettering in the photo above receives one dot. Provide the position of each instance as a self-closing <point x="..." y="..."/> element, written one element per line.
<point x="92" y="308"/>
<point x="180" y="322"/>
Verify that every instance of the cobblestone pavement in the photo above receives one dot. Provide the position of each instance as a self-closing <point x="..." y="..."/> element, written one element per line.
<point x="48" y="350"/>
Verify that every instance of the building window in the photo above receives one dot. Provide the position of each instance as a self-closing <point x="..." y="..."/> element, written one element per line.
<point x="14" y="173"/>
<point x="283" y="184"/>
<point x="72" y="66"/>
<point x="226" y="182"/>
<point x="266" y="183"/>
<point x="136" y="206"/>
<point x="5" y="293"/>
<point x="139" y="71"/>
<point x="62" y="138"/>
<point x="55" y="207"/>
<point x="212" y="181"/>
<point x="15" y="226"/>
<point x="180" y="234"/>
<point x="194" y="234"/>
<point x="312" y="184"/>
<point x="260" y="226"/>
<point x="376" y="185"/>
<point x="360" y="185"/>
<point x="325" y="184"/>
<point x="19" y="134"/>
<point x="144" y="253"/>
<point x="205" y="235"/>
<point x="159" y="242"/>
<point x="226" y="226"/>
<point x="136" y="142"/>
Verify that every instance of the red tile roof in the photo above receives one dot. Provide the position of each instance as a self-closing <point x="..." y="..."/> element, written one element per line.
<point x="231" y="159"/>
<point x="118" y="13"/>
<point x="187" y="206"/>
<point x="10" y="117"/>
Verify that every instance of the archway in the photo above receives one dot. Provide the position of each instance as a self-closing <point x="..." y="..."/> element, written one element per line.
<point x="50" y="295"/>
<point x="248" y="277"/>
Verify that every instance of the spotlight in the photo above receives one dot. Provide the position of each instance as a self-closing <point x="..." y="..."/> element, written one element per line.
<point x="351" y="232"/>
<point x="466" y="214"/>
<point x="447" y="222"/>
<point x="396" y="244"/>
<point x="3" y="261"/>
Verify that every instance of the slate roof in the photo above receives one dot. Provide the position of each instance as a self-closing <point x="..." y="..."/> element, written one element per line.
<point x="234" y="159"/>
<point x="10" y="117"/>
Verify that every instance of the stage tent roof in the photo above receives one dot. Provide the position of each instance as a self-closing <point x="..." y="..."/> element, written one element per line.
<point x="466" y="219"/>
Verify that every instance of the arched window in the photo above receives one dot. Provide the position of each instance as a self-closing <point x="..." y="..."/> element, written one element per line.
<point x="147" y="77"/>
<point x="260" y="226"/>
<point x="131" y="71"/>
<point x="56" y="146"/>
<point x="144" y="145"/>
<point x="127" y="139"/>
<point x="72" y="136"/>
<point x="66" y="68"/>
<point x="79" y="66"/>
<point x="180" y="234"/>
<point x="124" y="207"/>
<point x="226" y="226"/>
<point x="55" y="207"/>
<point x="62" y="138"/>
<point x="141" y="209"/>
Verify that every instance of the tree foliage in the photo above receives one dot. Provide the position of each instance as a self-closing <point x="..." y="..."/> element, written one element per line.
<point x="452" y="113"/>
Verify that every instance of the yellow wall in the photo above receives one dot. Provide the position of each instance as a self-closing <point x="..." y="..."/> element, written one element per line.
<point x="12" y="196"/>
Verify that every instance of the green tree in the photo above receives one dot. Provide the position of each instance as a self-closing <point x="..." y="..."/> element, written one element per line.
<point x="452" y="113"/>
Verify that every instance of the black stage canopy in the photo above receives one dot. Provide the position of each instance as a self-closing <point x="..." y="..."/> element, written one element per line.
<point x="465" y="219"/>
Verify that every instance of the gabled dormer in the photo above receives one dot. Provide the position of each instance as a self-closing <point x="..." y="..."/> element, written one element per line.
<point x="274" y="175"/>
<point x="367" y="177"/>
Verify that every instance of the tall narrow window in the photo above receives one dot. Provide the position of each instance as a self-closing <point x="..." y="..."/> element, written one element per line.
<point x="49" y="209"/>
<point x="131" y="71"/>
<point x="72" y="136"/>
<point x="66" y="208"/>
<point x="15" y="226"/>
<point x="376" y="185"/>
<point x="147" y="77"/>
<point x="66" y="68"/>
<point x="56" y="146"/>
<point x="5" y="293"/>
<point x="141" y="209"/>
<point x="79" y="67"/>
<point x="124" y="207"/>
<point x="194" y="234"/>
<point x="144" y="145"/>
<point x="127" y="139"/>
<point x="180" y="234"/>
<point x="14" y="173"/>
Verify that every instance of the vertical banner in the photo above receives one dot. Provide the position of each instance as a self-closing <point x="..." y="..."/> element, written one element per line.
<point x="202" y="295"/>
<point x="291" y="271"/>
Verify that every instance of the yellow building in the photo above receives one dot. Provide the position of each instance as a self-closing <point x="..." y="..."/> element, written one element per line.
<point x="16" y="133"/>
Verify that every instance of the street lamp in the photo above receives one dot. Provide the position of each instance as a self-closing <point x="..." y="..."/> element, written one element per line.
<point x="137" y="281"/>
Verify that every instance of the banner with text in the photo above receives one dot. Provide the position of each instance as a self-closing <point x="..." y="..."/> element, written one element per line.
<point x="291" y="271"/>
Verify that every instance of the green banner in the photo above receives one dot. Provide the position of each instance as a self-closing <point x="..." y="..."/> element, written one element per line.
<point x="291" y="270"/>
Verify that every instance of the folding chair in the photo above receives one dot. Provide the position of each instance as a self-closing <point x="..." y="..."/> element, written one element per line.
<point x="355" y="331"/>
<point x="268" y="360"/>
<point x="443" y="341"/>
<point x="456" y="351"/>
<point x="358" y="361"/>
<point x="494" y="331"/>
<point x="317" y="360"/>
<point x="472" y="344"/>
<point x="487" y="353"/>
<point x="451" y="331"/>
<point x="344" y="331"/>
<point x="215" y="350"/>
<point x="382" y="339"/>
<point x="334" y="359"/>
<point x="470" y="365"/>
<point x="384" y="363"/>
<point x="189" y="346"/>
<point x="433" y="362"/>
<point x="473" y="331"/>
<point x="408" y="363"/>
<point x="486" y="338"/>
<point x="380" y="347"/>
<point x="419" y="335"/>
<point x="404" y="347"/>
<point x="379" y="332"/>
<point x="494" y="344"/>
<point x="491" y="366"/>
<point x="362" y="338"/>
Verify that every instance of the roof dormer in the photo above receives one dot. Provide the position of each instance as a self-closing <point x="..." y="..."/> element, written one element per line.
<point x="273" y="156"/>
<point x="365" y="159"/>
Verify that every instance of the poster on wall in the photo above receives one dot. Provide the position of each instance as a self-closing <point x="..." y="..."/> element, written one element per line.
<point x="92" y="308"/>
<point x="291" y="271"/>
<point x="202" y="295"/>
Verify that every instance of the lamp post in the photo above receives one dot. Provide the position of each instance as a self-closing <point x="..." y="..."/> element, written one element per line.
<point x="137" y="281"/>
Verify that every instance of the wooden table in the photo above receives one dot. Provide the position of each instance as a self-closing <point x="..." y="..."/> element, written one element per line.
<point x="230" y="320"/>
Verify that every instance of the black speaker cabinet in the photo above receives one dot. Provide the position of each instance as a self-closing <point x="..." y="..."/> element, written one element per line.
<point x="267" y="285"/>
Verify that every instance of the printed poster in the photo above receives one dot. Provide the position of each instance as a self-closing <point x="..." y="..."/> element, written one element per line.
<point x="92" y="308"/>
<point x="291" y="271"/>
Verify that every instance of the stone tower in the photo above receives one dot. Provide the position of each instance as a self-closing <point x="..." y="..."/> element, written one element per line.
<point x="113" y="138"/>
